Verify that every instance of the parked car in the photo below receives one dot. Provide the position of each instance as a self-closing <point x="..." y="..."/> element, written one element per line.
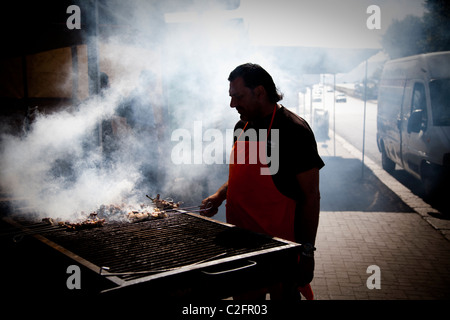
<point x="413" y="121"/>
<point x="340" y="97"/>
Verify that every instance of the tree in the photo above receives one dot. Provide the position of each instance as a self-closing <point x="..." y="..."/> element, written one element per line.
<point x="404" y="38"/>
<point x="437" y="25"/>
<point x="414" y="35"/>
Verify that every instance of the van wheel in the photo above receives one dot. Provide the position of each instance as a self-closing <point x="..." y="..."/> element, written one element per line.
<point x="430" y="181"/>
<point x="387" y="163"/>
<point x="428" y="187"/>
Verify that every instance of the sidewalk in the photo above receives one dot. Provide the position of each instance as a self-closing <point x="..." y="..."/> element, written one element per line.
<point x="374" y="220"/>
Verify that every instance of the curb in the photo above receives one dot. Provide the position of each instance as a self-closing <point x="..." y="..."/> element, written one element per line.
<point x="414" y="202"/>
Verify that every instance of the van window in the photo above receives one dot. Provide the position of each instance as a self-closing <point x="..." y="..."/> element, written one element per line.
<point x="419" y="101"/>
<point x="440" y="101"/>
<point x="390" y="101"/>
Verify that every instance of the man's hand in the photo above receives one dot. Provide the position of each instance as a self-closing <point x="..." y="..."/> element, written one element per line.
<point x="210" y="206"/>
<point x="212" y="203"/>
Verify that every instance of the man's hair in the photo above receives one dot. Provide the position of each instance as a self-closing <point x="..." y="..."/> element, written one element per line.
<point x="254" y="75"/>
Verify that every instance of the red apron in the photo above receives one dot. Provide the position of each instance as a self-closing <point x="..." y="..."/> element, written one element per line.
<point x="253" y="201"/>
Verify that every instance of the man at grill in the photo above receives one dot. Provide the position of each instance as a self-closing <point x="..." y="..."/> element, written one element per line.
<point x="285" y="200"/>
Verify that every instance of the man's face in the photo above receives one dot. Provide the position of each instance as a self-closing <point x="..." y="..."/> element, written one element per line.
<point x="244" y="100"/>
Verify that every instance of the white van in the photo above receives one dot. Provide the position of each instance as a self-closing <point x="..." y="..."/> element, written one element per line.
<point x="413" y="123"/>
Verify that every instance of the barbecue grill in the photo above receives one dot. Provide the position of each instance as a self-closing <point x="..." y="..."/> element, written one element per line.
<point x="183" y="255"/>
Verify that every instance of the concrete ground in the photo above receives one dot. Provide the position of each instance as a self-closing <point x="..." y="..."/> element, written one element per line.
<point x="370" y="222"/>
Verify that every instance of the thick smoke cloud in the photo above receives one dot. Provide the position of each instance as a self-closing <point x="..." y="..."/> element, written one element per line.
<point x="58" y="166"/>
<point x="59" y="169"/>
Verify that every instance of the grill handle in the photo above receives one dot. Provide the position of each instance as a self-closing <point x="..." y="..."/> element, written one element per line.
<point x="251" y="264"/>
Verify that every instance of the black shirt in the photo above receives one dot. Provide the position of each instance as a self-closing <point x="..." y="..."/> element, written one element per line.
<point x="297" y="149"/>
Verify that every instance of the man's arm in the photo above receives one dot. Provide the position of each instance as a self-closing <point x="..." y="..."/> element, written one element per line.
<point x="213" y="202"/>
<point x="306" y="223"/>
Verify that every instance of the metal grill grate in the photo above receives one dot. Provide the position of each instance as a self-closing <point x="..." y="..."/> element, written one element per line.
<point x="133" y="250"/>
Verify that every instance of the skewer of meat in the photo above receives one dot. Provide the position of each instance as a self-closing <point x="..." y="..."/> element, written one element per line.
<point x="87" y="224"/>
<point x="137" y="216"/>
<point x="91" y="222"/>
<point x="164" y="204"/>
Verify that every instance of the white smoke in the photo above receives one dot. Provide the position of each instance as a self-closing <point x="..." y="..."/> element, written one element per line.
<point x="58" y="166"/>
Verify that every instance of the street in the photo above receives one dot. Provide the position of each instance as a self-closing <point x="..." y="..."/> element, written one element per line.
<point x="348" y="122"/>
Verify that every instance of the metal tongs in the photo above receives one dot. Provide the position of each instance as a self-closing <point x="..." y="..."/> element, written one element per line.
<point x="197" y="208"/>
<point x="158" y="199"/>
<point x="190" y="209"/>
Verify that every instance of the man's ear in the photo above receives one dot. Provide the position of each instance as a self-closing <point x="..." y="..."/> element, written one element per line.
<point x="260" y="92"/>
